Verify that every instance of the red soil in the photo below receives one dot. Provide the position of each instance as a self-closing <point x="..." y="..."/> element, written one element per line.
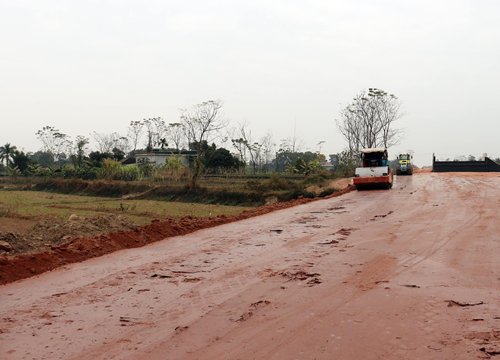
<point x="16" y="267"/>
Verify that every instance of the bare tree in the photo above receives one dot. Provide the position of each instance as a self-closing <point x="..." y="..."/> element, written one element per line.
<point x="134" y="133"/>
<point x="160" y="131"/>
<point x="123" y="144"/>
<point x="268" y="148"/>
<point x="239" y="145"/>
<point x="106" y="142"/>
<point x="202" y="123"/>
<point x="292" y="143"/>
<point x="369" y="120"/>
<point x="155" y="131"/>
<point x="54" y="142"/>
<point x="246" y="145"/>
<point x="175" y="134"/>
<point x="149" y="127"/>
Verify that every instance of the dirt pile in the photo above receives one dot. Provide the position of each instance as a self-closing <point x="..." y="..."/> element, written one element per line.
<point x="74" y="249"/>
<point x="45" y="234"/>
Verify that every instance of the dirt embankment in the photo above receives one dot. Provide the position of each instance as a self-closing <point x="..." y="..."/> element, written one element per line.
<point x="38" y="236"/>
<point x="74" y="249"/>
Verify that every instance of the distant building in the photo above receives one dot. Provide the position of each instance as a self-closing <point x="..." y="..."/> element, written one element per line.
<point x="334" y="160"/>
<point x="159" y="157"/>
<point x="332" y="164"/>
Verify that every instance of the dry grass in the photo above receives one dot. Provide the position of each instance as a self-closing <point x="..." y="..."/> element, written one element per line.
<point x="39" y="204"/>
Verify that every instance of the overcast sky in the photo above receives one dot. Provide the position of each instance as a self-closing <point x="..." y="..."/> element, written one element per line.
<point x="278" y="65"/>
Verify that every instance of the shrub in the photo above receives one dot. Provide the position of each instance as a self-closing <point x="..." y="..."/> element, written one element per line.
<point x="146" y="169"/>
<point x="130" y="173"/>
<point x="42" y="171"/>
<point x="316" y="179"/>
<point x="256" y="185"/>
<point x="111" y="169"/>
<point x="276" y="182"/>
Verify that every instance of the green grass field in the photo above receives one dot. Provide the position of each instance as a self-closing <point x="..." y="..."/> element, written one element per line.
<point x="38" y="204"/>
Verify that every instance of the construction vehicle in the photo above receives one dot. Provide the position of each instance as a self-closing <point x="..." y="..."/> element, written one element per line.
<point x="375" y="171"/>
<point x="404" y="165"/>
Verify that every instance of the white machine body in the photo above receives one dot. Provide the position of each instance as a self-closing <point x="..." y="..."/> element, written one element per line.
<point x="372" y="171"/>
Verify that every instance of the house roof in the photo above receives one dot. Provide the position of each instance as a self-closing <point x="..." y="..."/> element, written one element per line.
<point x="128" y="161"/>
<point x="167" y="152"/>
<point x="373" y="150"/>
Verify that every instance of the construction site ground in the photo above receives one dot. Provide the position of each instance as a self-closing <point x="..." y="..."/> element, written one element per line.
<point x="407" y="273"/>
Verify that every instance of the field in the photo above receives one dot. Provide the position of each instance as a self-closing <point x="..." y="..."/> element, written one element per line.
<point x="37" y="214"/>
<point x="38" y="204"/>
<point x="230" y="190"/>
<point x="31" y="221"/>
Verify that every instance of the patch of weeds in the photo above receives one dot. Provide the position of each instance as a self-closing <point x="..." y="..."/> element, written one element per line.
<point x="326" y="192"/>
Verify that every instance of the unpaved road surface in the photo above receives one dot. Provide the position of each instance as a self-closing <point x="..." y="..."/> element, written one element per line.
<point x="410" y="273"/>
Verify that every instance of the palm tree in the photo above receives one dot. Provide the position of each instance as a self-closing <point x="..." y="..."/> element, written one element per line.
<point x="6" y="153"/>
<point x="163" y="143"/>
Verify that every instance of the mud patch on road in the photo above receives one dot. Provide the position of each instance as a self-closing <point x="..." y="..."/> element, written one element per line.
<point x="298" y="275"/>
<point x="330" y="242"/>
<point x="345" y="231"/>
<point x="310" y="278"/>
<point x="376" y="217"/>
<point x="252" y="309"/>
<point x="463" y="304"/>
<point x="488" y="342"/>
<point x="372" y="273"/>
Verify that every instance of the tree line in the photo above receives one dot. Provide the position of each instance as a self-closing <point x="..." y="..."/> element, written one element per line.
<point x="368" y="121"/>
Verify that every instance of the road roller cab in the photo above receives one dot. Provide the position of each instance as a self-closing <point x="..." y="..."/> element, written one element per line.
<point x="375" y="171"/>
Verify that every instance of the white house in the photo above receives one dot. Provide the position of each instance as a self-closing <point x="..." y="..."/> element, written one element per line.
<point x="160" y="157"/>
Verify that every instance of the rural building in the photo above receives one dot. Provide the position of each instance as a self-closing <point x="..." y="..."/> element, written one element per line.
<point x="159" y="157"/>
<point x="327" y="165"/>
<point x="332" y="164"/>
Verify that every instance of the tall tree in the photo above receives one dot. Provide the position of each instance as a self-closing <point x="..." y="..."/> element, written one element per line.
<point x="268" y="147"/>
<point x="160" y="131"/>
<point x="239" y="145"/>
<point x="135" y="129"/>
<point x="123" y="144"/>
<point x="155" y="130"/>
<point x="20" y="161"/>
<point x="176" y="134"/>
<point x="54" y="142"/>
<point x="250" y="147"/>
<point x="43" y="158"/>
<point x="7" y="153"/>
<point x="220" y="160"/>
<point x="292" y="143"/>
<point x="202" y="123"/>
<point x="81" y="143"/>
<point x="368" y="121"/>
<point x="106" y="142"/>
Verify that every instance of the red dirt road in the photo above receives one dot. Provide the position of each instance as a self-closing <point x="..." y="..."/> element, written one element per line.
<point x="409" y="273"/>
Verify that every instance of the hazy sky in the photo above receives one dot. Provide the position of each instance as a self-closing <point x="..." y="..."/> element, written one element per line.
<point x="96" y="65"/>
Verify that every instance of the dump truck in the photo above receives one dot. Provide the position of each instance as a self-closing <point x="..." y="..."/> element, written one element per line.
<point x="404" y="165"/>
<point x="375" y="171"/>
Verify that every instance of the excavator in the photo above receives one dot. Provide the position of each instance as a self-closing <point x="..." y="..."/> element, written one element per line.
<point x="375" y="172"/>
